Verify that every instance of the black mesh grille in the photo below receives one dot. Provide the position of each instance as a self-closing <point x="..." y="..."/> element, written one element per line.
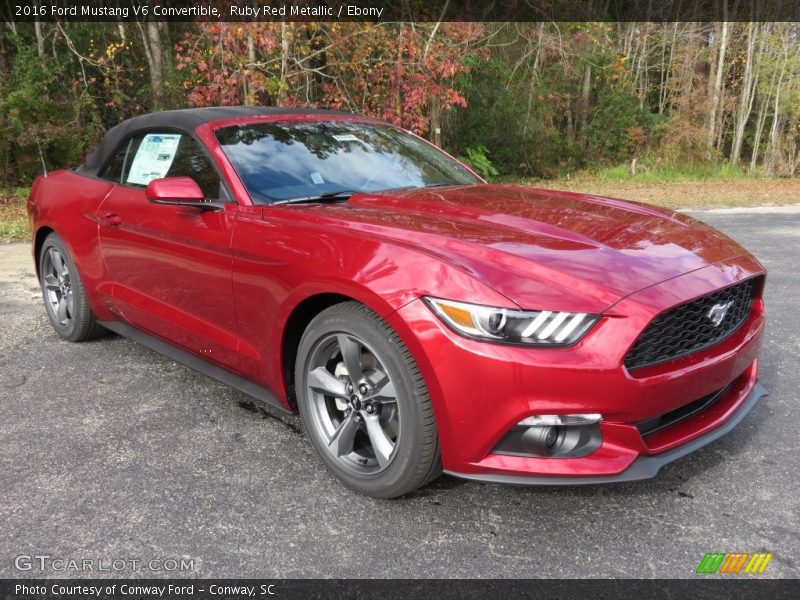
<point x="689" y="327"/>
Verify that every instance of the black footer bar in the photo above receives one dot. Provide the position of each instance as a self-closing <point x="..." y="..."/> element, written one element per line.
<point x="699" y="587"/>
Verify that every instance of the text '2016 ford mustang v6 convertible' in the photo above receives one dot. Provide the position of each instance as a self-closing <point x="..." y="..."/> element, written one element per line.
<point x="418" y="318"/>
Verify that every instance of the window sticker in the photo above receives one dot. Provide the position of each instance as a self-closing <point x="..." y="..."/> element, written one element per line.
<point x="347" y="137"/>
<point x="317" y="178"/>
<point x="153" y="158"/>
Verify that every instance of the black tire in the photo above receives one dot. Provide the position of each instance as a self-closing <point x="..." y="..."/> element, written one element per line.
<point x="415" y="459"/>
<point x="78" y="323"/>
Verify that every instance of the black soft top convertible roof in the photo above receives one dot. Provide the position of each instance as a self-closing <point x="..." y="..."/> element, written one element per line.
<point x="185" y="120"/>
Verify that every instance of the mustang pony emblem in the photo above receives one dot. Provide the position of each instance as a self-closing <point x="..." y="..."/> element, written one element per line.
<point x="716" y="314"/>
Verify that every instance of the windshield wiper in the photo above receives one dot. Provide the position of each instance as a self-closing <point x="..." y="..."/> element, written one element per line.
<point x="345" y="194"/>
<point x="338" y="195"/>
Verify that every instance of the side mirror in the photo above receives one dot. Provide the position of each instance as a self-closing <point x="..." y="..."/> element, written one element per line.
<point x="177" y="191"/>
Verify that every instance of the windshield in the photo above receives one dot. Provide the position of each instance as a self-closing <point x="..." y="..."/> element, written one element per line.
<point x="282" y="161"/>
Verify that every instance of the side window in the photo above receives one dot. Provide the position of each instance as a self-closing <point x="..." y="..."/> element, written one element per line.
<point x="155" y="155"/>
<point x="113" y="170"/>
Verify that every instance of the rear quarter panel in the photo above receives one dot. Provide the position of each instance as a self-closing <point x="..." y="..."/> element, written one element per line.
<point x="66" y="203"/>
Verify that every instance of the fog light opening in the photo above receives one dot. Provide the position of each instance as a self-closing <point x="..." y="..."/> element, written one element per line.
<point x="553" y="436"/>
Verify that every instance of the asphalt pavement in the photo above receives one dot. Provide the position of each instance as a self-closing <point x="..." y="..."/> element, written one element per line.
<point x="109" y="451"/>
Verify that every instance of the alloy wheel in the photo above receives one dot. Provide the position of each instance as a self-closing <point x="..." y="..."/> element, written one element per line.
<point x="353" y="402"/>
<point x="57" y="284"/>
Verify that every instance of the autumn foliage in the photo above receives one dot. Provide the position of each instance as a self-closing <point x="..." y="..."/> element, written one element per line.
<point x="526" y="99"/>
<point x="402" y="73"/>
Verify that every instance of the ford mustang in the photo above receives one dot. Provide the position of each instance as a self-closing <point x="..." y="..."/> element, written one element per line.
<point x="418" y="318"/>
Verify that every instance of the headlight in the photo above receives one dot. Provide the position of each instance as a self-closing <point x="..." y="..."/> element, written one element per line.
<point x="504" y="325"/>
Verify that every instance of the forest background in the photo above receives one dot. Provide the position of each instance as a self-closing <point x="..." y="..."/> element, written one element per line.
<point x="650" y="111"/>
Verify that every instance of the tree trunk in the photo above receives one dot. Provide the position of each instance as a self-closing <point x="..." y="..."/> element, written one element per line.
<point x="642" y="69"/>
<point x="166" y="45"/>
<point x="151" y="37"/>
<point x="716" y="90"/>
<point x="773" y="149"/>
<point x="37" y="27"/>
<point x="284" y="63"/>
<point x="533" y="78"/>
<point x="664" y="95"/>
<point x="586" y="88"/>
<point x="11" y="25"/>
<point x="399" y="68"/>
<point x="570" y="120"/>
<point x="434" y="30"/>
<point x="746" y="96"/>
<point x="249" y="96"/>
<point x="436" y="121"/>
<point x="760" y="120"/>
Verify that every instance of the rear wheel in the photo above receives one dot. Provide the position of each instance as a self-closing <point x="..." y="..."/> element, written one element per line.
<point x="364" y="403"/>
<point x="64" y="297"/>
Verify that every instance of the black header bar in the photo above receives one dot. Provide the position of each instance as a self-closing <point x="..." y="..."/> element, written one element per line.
<point x="401" y="10"/>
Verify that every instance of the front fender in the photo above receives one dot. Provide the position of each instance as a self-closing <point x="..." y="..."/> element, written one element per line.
<point x="281" y="260"/>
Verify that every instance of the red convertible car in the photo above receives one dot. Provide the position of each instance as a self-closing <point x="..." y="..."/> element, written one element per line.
<point x="418" y="318"/>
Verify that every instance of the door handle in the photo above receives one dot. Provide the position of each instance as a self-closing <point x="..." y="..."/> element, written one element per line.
<point x="112" y="219"/>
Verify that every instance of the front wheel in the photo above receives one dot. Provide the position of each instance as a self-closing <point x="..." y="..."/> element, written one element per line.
<point x="364" y="403"/>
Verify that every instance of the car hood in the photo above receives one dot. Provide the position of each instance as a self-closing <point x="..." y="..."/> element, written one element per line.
<point x="542" y="248"/>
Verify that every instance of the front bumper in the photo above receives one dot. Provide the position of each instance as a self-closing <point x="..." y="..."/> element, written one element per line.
<point x="481" y="390"/>
<point x="644" y="467"/>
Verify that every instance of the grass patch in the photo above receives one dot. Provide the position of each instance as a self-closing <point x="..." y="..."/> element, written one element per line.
<point x="666" y="174"/>
<point x="645" y="173"/>
<point x="14" y="225"/>
<point x="681" y="186"/>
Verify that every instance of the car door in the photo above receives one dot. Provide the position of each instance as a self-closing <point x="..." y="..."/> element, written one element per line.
<point x="168" y="268"/>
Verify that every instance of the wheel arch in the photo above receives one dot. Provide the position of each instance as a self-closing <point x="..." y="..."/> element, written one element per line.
<point x="302" y="314"/>
<point x="312" y="303"/>
<point x="38" y="241"/>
